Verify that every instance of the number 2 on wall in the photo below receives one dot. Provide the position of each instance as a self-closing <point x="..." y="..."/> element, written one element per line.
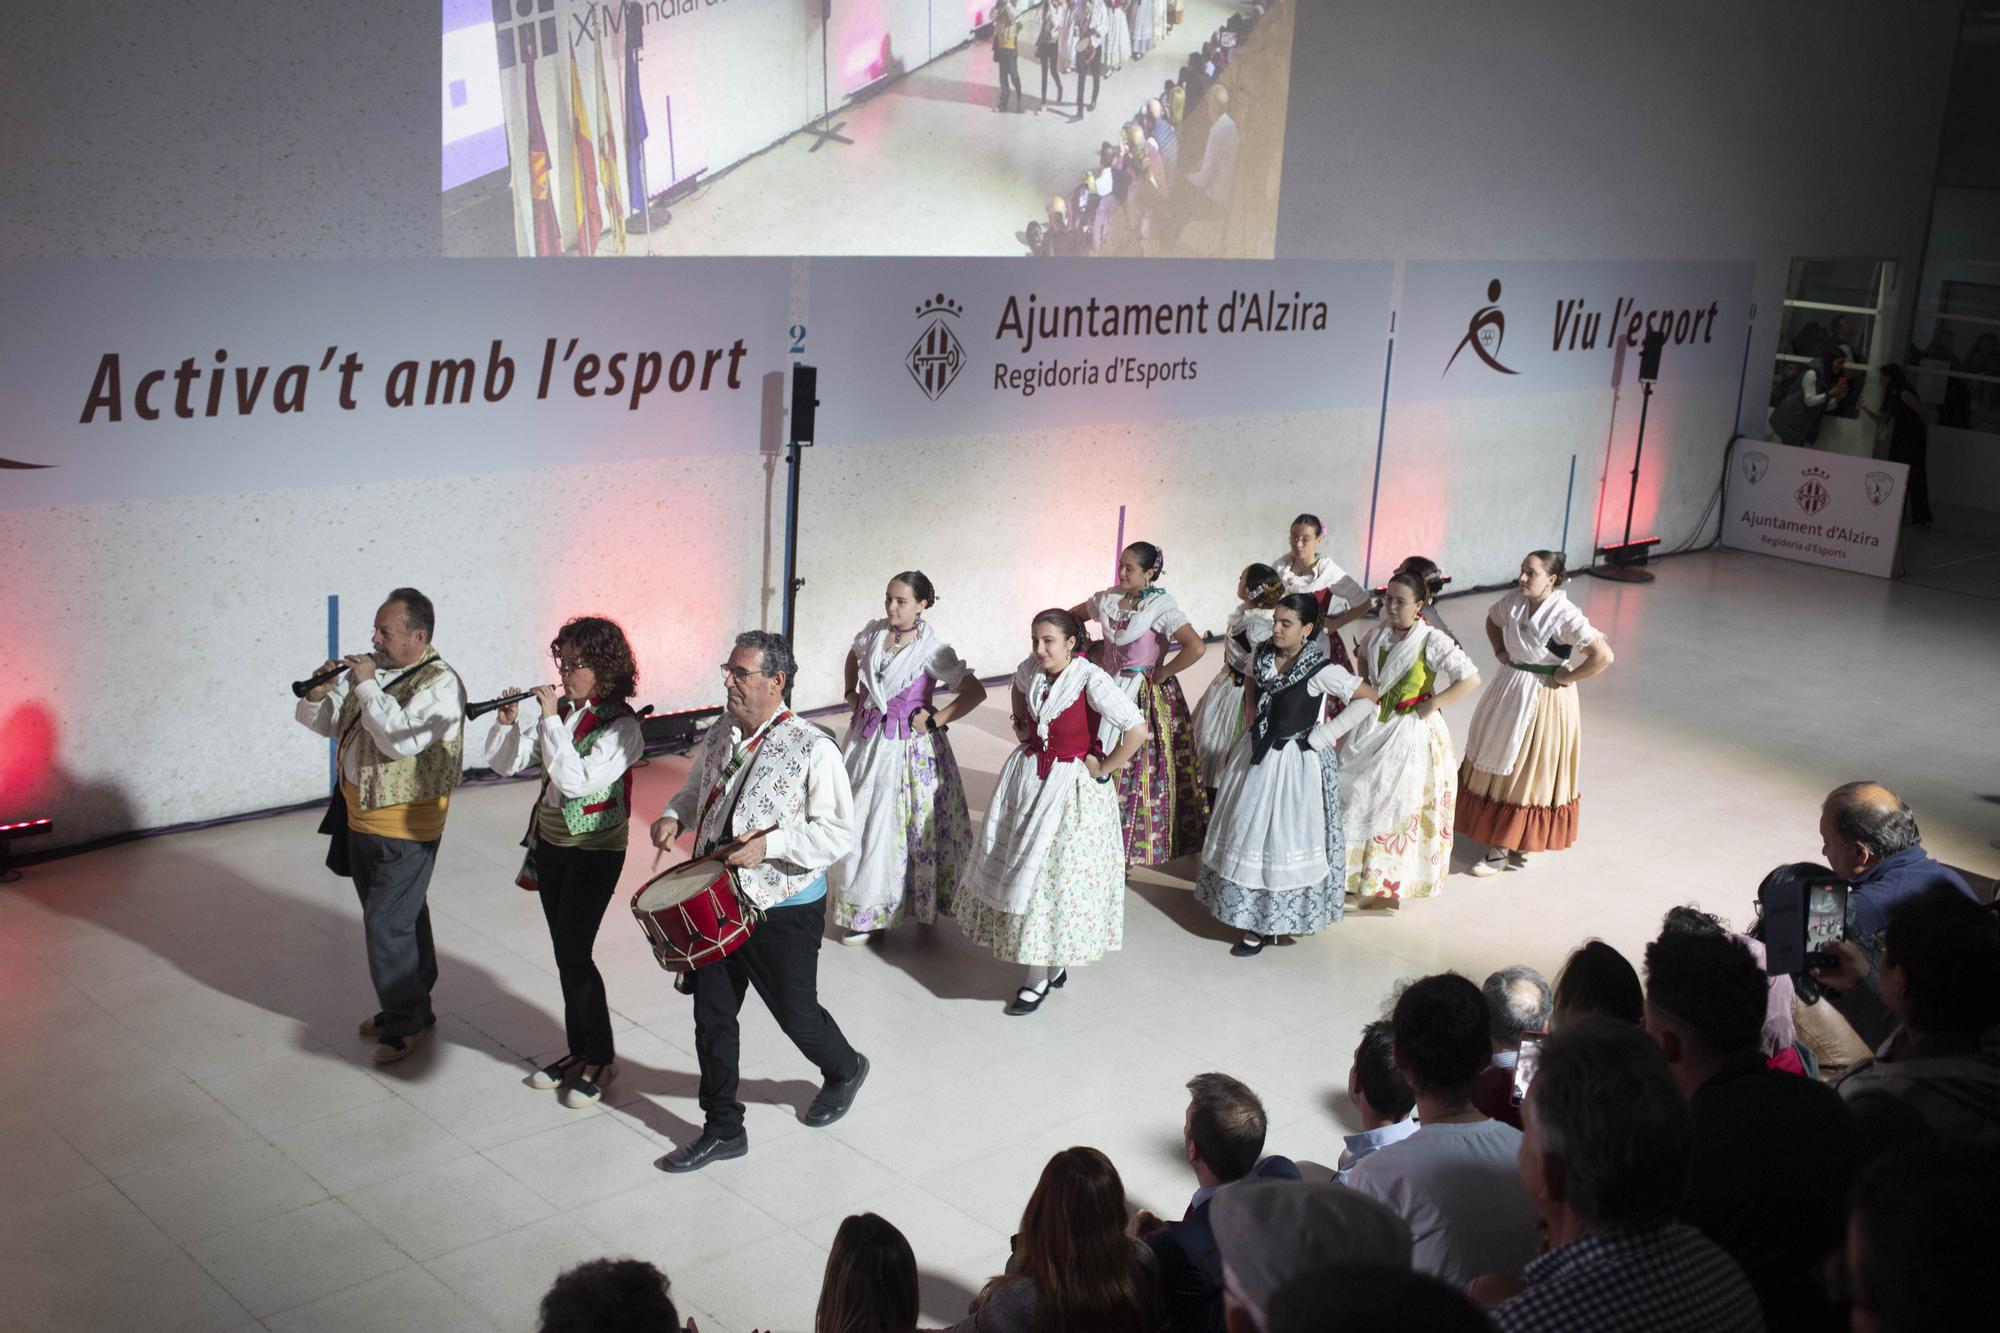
<point x="798" y="340"/>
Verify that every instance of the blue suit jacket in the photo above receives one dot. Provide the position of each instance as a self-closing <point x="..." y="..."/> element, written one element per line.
<point x="1190" y="1265"/>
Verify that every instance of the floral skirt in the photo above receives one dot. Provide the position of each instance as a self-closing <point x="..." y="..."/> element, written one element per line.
<point x="914" y="834"/>
<point x="1400" y="798"/>
<point x="1076" y="912"/>
<point x="1160" y="796"/>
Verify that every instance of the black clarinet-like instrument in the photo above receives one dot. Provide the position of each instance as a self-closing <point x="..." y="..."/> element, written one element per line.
<point x="485" y="706"/>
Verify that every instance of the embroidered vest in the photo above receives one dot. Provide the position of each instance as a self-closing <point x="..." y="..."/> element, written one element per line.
<point x="425" y="776"/>
<point x="609" y="807"/>
<point x="772" y="792"/>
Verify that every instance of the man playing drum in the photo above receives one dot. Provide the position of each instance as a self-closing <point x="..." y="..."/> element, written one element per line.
<point x="760" y="767"/>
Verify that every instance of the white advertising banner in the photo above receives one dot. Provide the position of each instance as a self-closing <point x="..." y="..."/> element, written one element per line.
<point x="1474" y="329"/>
<point x="931" y="347"/>
<point x="132" y="380"/>
<point x="1812" y="505"/>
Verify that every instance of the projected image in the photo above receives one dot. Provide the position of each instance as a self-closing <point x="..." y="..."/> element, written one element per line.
<point x="879" y="127"/>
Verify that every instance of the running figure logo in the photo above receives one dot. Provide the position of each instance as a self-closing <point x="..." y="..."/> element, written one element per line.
<point x="1755" y="465"/>
<point x="1484" y="334"/>
<point x="937" y="357"/>
<point x="1879" y="485"/>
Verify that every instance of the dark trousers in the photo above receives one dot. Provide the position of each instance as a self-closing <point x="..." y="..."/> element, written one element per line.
<point x="1051" y="69"/>
<point x="1010" y="74"/>
<point x="576" y="888"/>
<point x="392" y="875"/>
<point x="781" y="960"/>
<point x="1089" y="74"/>
<point x="1918" y="489"/>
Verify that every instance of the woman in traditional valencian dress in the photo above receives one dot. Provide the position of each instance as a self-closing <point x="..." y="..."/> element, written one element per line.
<point x="1275" y="862"/>
<point x="1046" y="885"/>
<point x="586" y="741"/>
<point x="1397" y="769"/>
<point x="1117" y="37"/>
<point x="1517" y="789"/>
<point x="909" y="804"/>
<point x="1145" y="31"/>
<point x="1342" y="600"/>
<point x="1218" y="718"/>
<point x="1164" y="808"/>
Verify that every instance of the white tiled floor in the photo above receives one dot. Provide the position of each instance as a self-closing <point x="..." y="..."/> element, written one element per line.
<point x="196" y="1141"/>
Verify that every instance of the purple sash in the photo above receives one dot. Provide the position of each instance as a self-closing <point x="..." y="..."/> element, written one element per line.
<point x="896" y="722"/>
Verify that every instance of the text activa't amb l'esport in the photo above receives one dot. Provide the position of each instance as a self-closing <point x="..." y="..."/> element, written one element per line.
<point x="220" y="389"/>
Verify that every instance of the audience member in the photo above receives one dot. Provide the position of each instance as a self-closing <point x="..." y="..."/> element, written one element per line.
<point x="1605" y="1159"/>
<point x="1596" y="979"/>
<point x="871" y="1280"/>
<point x="1454" y="1179"/>
<point x="1820" y="387"/>
<point x="1222" y="1136"/>
<point x="1074" y="1270"/>
<point x="1379" y="1094"/>
<point x="1774" y="1154"/>
<point x="1921" y="1235"/>
<point x="1940" y="960"/>
<point x="1870" y="839"/>
<point x="1269" y="1232"/>
<point x="610" y="1296"/>
<point x="1215" y="179"/>
<point x="1161" y="131"/>
<point x="1517" y="1001"/>
<point x="1779" y="1038"/>
<point x="1371" y="1298"/>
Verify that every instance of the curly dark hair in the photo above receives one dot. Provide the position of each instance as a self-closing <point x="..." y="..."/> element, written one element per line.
<point x="602" y="1294"/>
<point x="603" y="647"/>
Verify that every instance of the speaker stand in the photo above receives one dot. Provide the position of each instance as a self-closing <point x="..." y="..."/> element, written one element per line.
<point x="823" y="133"/>
<point x="1620" y="568"/>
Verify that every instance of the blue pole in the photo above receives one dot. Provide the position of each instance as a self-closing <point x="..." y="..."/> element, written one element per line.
<point x="1381" y="433"/>
<point x="1568" y="500"/>
<point x="1119" y="551"/>
<point x="332" y="651"/>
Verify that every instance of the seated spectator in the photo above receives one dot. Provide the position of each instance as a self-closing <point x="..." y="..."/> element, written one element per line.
<point x="1174" y="97"/>
<point x="1161" y="131"/>
<point x="1074" y="1270"/>
<point x="1870" y="839"/>
<point x="1922" y="1232"/>
<point x="1371" y="1298"/>
<point x="1778" y="1038"/>
<point x="1774" y="1154"/>
<point x="1517" y="1002"/>
<point x="1379" y="1094"/>
<point x="1605" y="1159"/>
<point x="1454" y="1180"/>
<point x="1596" y="979"/>
<point x="610" y="1296"/>
<point x="871" y="1280"/>
<point x="1223" y="1136"/>
<point x="1269" y="1232"/>
<point x="1214" y="181"/>
<point x="1940" y="958"/>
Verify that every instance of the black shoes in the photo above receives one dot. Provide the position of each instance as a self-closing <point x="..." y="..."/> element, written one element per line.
<point x="1249" y="946"/>
<point x="704" y="1150"/>
<point x="1028" y="999"/>
<point x="836" y="1095"/>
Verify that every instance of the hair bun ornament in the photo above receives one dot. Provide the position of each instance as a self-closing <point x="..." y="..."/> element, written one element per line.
<point x="1159" y="559"/>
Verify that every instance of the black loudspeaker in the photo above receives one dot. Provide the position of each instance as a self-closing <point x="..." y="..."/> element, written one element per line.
<point x="805" y="384"/>
<point x="635" y="25"/>
<point x="1649" y="355"/>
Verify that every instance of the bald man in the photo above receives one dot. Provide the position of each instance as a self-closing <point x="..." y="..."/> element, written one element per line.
<point x="1869" y="838"/>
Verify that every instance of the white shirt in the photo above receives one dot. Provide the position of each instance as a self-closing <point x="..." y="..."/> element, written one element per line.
<point x="1217" y="173"/>
<point x="511" y="749"/>
<point x="397" y="730"/>
<point x="820" y="834"/>
<point x="1459" y="1188"/>
<point x="1369" y="1141"/>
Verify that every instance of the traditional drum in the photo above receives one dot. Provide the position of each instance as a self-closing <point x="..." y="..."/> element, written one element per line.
<point x="692" y="914"/>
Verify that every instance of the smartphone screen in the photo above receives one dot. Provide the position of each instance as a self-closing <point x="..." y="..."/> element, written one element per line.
<point x="1826" y="914"/>
<point x="1524" y="1064"/>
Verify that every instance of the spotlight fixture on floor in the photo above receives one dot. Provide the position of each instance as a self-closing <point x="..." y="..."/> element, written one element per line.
<point x="1618" y="562"/>
<point x="20" y="828"/>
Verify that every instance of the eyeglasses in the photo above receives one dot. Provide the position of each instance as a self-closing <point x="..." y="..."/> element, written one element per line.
<point x="568" y="664"/>
<point x="737" y="675"/>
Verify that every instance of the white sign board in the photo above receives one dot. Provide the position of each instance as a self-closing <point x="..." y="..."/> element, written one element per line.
<point x="934" y="347"/>
<point x="1812" y="505"/>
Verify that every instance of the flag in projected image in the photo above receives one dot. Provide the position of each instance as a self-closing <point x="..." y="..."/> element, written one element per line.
<point x="583" y="180"/>
<point x="635" y="130"/>
<point x="548" y="235"/>
<point x="607" y="156"/>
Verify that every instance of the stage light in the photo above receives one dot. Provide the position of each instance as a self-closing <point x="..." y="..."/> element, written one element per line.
<point x="676" y="731"/>
<point x="20" y="828"/>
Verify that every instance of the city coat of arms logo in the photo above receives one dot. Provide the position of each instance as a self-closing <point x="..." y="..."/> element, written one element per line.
<point x="1812" y="494"/>
<point x="937" y="356"/>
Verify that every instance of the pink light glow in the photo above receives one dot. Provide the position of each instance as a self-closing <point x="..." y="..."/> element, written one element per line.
<point x="866" y="60"/>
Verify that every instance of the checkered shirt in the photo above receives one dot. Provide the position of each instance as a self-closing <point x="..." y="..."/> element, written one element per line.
<point x="1664" y="1279"/>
